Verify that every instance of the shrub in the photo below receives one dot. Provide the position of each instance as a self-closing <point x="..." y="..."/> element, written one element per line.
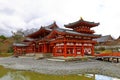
<point x="3" y="37"/>
<point x="10" y="50"/>
<point x="101" y="49"/>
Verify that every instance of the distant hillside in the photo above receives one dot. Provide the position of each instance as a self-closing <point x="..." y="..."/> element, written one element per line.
<point x="6" y="44"/>
<point x="29" y="31"/>
<point x="18" y="36"/>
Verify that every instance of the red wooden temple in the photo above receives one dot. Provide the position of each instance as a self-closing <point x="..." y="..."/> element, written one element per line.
<point x="76" y="41"/>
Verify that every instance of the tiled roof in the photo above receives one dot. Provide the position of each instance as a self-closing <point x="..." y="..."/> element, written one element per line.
<point x="76" y="33"/>
<point x="81" y="22"/>
<point x="52" y="26"/>
<point x="20" y="44"/>
<point x="46" y="28"/>
<point x="37" y="33"/>
<point x="104" y="38"/>
<point x="29" y="39"/>
<point x="118" y="38"/>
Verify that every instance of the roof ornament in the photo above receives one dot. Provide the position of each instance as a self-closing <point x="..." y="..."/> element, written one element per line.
<point x="81" y="18"/>
<point x="54" y="22"/>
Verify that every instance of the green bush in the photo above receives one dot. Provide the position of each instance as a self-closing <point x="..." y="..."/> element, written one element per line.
<point x="10" y="50"/>
<point x="3" y="37"/>
<point x="100" y="49"/>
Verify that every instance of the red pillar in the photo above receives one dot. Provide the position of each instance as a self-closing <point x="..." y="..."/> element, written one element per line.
<point x="20" y="51"/>
<point x="38" y="48"/>
<point x="92" y="50"/>
<point x="75" y="54"/>
<point x="34" y="49"/>
<point x="54" y="50"/>
<point x="65" y="49"/>
<point x="48" y="48"/>
<point x="82" y="51"/>
<point x="44" y="48"/>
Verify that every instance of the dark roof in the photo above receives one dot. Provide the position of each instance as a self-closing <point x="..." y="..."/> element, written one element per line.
<point x="39" y="32"/>
<point x="52" y="26"/>
<point x="76" y="33"/>
<point x="71" y="32"/>
<point x="81" y="22"/>
<point x="29" y="39"/>
<point x="104" y="38"/>
<point x="23" y="44"/>
<point x="118" y="38"/>
<point x="20" y="44"/>
<point x="47" y="29"/>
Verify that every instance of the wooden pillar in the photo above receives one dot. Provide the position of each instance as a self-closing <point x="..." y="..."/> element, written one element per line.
<point x="65" y="49"/>
<point x="75" y="53"/>
<point x="44" y="47"/>
<point x="33" y="48"/>
<point x="54" y="50"/>
<point x="38" y="47"/>
<point x="20" y="51"/>
<point x="92" y="50"/>
<point x="82" y="51"/>
<point x="48" y="48"/>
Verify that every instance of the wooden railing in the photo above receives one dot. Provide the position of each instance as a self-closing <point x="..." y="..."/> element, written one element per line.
<point x="108" y="54"/>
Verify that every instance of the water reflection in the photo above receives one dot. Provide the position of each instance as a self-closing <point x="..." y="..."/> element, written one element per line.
<point x="98" y="77"/>
<point x="18" y="75"/>
<point x="102" y="77"/>
<point x="14" y="76"/>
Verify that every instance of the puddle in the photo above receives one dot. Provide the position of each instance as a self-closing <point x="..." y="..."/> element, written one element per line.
<point x="14" y="76"/>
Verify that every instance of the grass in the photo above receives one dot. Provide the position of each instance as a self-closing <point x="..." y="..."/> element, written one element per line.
<point x="38" y="76"/>
<point x="107" y="51"/>
<point x="4" y="71"/>
<point x="5" y="54"/>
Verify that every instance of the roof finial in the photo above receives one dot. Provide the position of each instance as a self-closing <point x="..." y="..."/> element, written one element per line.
<point x="81" y="18"/>
<point x="54" y="22"/>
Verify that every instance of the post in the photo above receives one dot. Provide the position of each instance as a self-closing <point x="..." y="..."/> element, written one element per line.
<point x="44" y="48"/>
<point x="55" y="50"/>
<point x="82" y="50"/>
<point x="92" y="50"/>
<point x="75" y="54"/>
<point x="65" y="50"/>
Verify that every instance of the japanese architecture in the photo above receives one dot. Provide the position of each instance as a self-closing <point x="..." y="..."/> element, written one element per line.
<point x="75" y="40"/>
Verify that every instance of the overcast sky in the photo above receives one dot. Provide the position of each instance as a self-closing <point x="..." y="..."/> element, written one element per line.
<point x="27" y="14"/>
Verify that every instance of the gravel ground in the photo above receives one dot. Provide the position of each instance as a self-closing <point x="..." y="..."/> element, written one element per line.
<point x="62" y="68"/>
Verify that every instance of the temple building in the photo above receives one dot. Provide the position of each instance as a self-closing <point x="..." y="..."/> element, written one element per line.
<point x="75" y="41"/>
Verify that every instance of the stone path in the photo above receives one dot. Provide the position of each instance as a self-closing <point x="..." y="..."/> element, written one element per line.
<point x="62" y="68"/>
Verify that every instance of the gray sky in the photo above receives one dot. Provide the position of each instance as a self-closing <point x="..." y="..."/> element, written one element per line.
<point x="27" y="14"/>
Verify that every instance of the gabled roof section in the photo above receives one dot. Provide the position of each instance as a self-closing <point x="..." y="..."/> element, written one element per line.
<point x="52" y="26"/>
<point x="20" y="44"/>
<point x="105" y="38"/>
<point x="75" y="33"/>
<point x="69" y="32"/>
<point x="43" y="31"/>
<point x="29" y="39"/>
<point x="40" y="33"/>
<point x="118" y="38"/>
<point x="23" y="44"/>
<point x="80" y="23"/>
